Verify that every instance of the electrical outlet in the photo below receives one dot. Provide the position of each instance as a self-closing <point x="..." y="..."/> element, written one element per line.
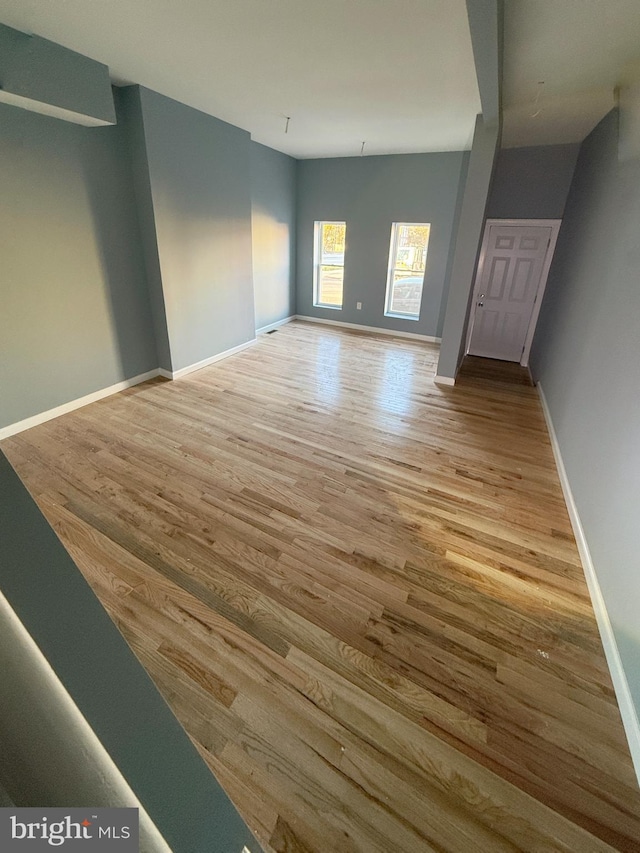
<point x="358" y="306"/>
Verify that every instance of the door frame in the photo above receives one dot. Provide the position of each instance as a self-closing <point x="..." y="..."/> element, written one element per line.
<point x="554" y="224"/>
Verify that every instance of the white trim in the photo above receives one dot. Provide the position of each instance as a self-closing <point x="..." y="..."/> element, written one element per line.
<point x="42" y="417"/>
<point x="178" y="374"/>
<point x="71" y="406"/>
<point x="318" y="229"/>
<point x="544" y="275"/>
<point x="375" y="329"/>
<point x="391" y="268"/>
<point x="544" y="223"/>
<point x="626" y="704"/>
<point x="412" y="317"/>
<point x="554" y="224"/>
<point x="444" y="380"/>
<point x="264" y="329"/>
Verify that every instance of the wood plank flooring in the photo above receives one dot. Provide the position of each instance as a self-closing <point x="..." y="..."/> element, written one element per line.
<point x="358" y="591"/>
<point x="494" y="370"/>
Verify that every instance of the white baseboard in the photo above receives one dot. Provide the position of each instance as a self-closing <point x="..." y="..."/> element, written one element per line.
<point x="626" y="704"/>
<point x="42" y="417"/>
<point x="375" y="329"/>
<point x="264" y="329"/>
<point x="444" y="380"/>
<point x="178" y="374"/>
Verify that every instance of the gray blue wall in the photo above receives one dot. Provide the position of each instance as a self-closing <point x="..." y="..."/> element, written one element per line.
<point x="370" y="193"/>
<point x="273" y="223"/>
<point x="75" y="310"/>
<point x="131" y="117"/>
<point x="199" y="173"/>
<point x="585" y="355"/>
<point x="466" y="247"/>
<point x="532" y="183"/>
<point x="486" y="26"/>
<point x="45" y="73"/>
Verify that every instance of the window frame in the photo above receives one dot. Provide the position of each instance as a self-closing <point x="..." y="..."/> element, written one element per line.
<point x="318" y="226"/>
<point x="392" y="268"/>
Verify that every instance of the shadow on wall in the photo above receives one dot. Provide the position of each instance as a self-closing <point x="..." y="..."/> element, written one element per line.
<point x="119" y="247"/>
<point x="452" y="246"/>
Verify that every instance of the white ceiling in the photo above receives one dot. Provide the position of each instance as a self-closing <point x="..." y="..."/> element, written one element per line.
<point x="397" y="74"/>
<point x="579" y="48"/>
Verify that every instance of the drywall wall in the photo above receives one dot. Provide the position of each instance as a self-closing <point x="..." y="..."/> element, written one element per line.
<point x="75" y="312"/>
<point x="130" y="112"/>
<point x="199" y="175"/>
<point x="452" y="245"/>
<point x="370" y="193"/>
<point x="51" y="757"/>
<point x="585" y="356"/>
<point x="117" y="698"/>
<point x="486" y="25"/>
<point x="532" y="183"/>
<point x="467" y="243"/>
<point x="41" y="74"/>
<point x="273" y="227"/>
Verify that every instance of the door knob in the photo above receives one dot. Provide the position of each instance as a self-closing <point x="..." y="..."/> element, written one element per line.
<point x="481" y="304"/>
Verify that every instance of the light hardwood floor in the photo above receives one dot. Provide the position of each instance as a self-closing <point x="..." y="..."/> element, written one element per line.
<point x="358" y="591"/>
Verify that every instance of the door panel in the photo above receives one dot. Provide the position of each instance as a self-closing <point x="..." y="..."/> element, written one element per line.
<point x="498" y="277"/>
<point x="523" y="276"/>
<point x="507" y="288"/>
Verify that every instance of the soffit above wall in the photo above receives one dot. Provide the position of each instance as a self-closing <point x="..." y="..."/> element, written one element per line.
<point x="579" y="48"/>
<point x="398" y="75"/>
<point x="43" y="77"/>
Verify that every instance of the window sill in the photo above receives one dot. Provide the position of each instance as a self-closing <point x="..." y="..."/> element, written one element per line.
<point x="402" y="317"/>
<point x="331" y="307"/>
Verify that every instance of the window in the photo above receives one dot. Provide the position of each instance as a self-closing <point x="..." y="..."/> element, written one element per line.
<point x="328" y="263"/>
<point x="407" y="264"/>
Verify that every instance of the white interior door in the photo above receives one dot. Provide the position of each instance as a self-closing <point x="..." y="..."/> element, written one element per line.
<point x="506" y="289"/>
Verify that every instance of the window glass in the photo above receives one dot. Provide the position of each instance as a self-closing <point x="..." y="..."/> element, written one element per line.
<point x="407" y="266"/>
<point x="328" y="263"/>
